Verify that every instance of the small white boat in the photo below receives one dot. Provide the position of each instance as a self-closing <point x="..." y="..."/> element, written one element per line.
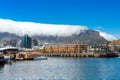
<point x="19" y="59"/>
<point x="40" y="58"/>
<point x="7" y="59"/>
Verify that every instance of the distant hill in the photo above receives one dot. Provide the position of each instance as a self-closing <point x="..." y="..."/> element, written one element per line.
<point x="7" y="36"/>
<point x="88" y="36"/>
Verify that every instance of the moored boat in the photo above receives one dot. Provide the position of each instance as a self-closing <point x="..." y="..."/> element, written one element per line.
<point x="109" y="55"/>
<point x="19" y="59"/>
<point x="112" y="54"/>
<point x="7" y="59"/>
<point x="40" y="58"/>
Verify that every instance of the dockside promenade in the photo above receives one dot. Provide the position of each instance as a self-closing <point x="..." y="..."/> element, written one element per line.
<point x="32" y="55"/>
<point x="78" y="50"/>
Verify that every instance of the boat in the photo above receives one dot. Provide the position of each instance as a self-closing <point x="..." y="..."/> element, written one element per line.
<point x="109" y="55"/>
<point x="40" y="58"/>
<point x="112" y="54"/>
<point x="7" y="59"/>
<point x="19" y="58"/>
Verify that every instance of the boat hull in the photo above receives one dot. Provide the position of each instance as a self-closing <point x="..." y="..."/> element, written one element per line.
<point x="40" y="58"/>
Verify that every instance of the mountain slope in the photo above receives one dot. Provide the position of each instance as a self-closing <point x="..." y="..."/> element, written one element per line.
<point x="88" y="36"/>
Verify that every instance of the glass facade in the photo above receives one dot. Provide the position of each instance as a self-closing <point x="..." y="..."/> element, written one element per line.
<point x="26" y="42"/>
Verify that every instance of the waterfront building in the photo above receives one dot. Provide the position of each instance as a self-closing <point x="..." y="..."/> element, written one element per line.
<point x="99" y="48"/>
<point x="114" y="46"/>
<point x="35" y="42"/>
<point x="11" y="42"/>
<point x="66" y="48"/>
<point x="26" y="42"/>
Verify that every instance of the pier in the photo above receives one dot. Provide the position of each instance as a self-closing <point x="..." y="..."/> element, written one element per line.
<point x="32" y="55"/>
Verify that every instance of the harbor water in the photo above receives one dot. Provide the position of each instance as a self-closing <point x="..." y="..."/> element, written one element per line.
<point x="62" y="68"/>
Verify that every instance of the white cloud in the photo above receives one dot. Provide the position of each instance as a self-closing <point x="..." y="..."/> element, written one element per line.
<point x="33" y="28"/>
<point x="107" y="36"/>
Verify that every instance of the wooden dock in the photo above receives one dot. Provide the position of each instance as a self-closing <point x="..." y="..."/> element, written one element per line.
<point x="30" y="56"/>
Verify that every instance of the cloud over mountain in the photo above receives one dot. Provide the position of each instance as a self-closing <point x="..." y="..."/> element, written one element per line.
<point x="107" y="36"/>
<point x="32" y="28"/>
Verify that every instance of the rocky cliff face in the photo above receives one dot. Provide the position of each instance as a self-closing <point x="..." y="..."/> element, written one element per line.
<point x="88" y="36"/>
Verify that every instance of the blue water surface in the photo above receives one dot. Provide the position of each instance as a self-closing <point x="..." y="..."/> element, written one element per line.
<point x="63" y="68"/>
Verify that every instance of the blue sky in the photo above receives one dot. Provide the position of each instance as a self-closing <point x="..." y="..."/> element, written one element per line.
<point x="96" y="14"/>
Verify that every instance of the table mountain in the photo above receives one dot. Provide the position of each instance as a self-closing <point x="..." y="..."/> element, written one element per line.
<point x="88" y="36"/>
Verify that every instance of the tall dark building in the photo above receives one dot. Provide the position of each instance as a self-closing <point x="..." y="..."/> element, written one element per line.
<point x="34" y="42"/>
<point x="26" y="42"/>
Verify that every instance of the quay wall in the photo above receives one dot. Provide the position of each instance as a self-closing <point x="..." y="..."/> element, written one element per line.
<point x="83" y="55"/>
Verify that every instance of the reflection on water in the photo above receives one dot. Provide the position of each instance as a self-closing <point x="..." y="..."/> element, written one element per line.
<point x="1" y="66"/>
<point x="1" y="69"/>
<point x="58" y="68"/>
